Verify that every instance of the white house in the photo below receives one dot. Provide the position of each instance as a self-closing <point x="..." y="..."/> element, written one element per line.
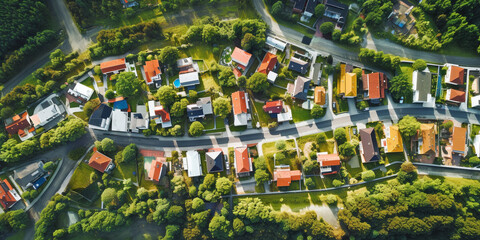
<point x="193" y="164"/>
<point x="189" y="79"/>
<point x="139" y="119"/>
<point x="119" y="121"/>
<point x="45" y="115"/>
<point x="421" y="86"/>
<point x="240" y="108"/>
<point x="159" y="114"/>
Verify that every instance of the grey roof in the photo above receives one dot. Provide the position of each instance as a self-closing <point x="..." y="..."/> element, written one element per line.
<point x="299" y="4"/>
<point x="28" y="174"/>
<point x="298" y="65"/>
<point x="369" y="145"/>
<point x="102" y="112"/>
<point x="311" y="4"/>
<point x="424" y="85"/>
<point x="299" y="90"/>
<point x="214" y="161"/>
<point x="193" y="110"/>
<point x="316" y="72"/>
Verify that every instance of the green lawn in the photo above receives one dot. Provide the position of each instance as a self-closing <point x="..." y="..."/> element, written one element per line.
<point x="74" y="104"/>
<point x="208" y="81"/>
<point x="88" y="82"/>
<point x="299" y="114"/>
<point x="201" y="52"/>
<point x="81" y="177"/>
<point x="125" y="170"/>
<point x="277" y="90"/>
<point x="392" y="157"/>
<point x="81" y="115"/>
<point x="263" y="117"/>
<point x="270" y="146"/>
<point x="20" y="235"/>
<point x="208" y="122"/>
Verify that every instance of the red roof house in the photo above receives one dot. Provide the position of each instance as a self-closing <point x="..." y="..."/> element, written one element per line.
<point x="455" y="75"/>
<point x="240" y="108"/>
<point x="456" y="96"/>
<point x="241" y="57"/>
<point x="329" y="163"/>
<point x="8" y="195"/>
<point x="243" y="164"/>
<point x="273" y="107"/>
<point x="156" y="169"/>
<point x="113" y="66"/>
<point x="374" y="85"/>
<point x="268" y="63"/>
<point x="284" y="177"/>
<point x="152" y="71"/>
<point x="101" y="162"/>
<point x="18" y="123"/>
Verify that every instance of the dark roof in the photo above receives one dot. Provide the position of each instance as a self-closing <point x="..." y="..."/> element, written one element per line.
<point x="214" y="161"/>
<point x="29" y="174"/>
<point x="424" y="85"/>
<point x="369" y="145"/>
<point x="196" y="111"/>
<point x="311" y="4"/>
<point x="299" y="4"/>
<point x="332" y="6"/>
<point x="298" y="65"/>
<point x="102" y="112"/>
<point x="300" y="89"/>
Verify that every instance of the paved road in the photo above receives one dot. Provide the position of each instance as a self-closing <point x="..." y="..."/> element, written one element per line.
<point x="326" y="47"/>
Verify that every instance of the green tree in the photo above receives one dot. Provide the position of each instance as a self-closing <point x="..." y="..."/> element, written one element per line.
<point x="176" y="130"/>
<point x="226" y="77"/>
<point x="310" y="167"/>
<point x="178" y="185"/>
<point x="327" y="28"/>
<point x="169" y="55"/>
<point x="222" y="107"/>
<point x="220" y="227"/>
<point x="128" y="84"/>
<point x="400" y="86"/>
<point x="57" y="58"/>
<point x="198" y="204"/>
<point x="319" y="10"/>
<point x="277" y="8"/>
<point x="223" y="185"/>
<point x="346" y="149"/>
<point x="49" y="166"/>
<point x="90" y="106"/>
<point x="107" y="145"/>
<point x="408" y="126"/>
<point x="238" y="227"/>
<point x="368" y="175"/>
<point x="196" y="129"/>
<point x="175" y="215"/>
<point x="242" y="81"/>
<point x="358" y="72"/>
<point x="340" y="135"/>
<point x="129" y="154"/>
<point x="317" y="111"/>
<point x="280" y="144"/>
<point x="6" y="112"/>
<point x="474" y="161"/>
<point x="166" y="95"/>
<point x="110" y="94"/>
<point x="419" y="65"/>
<point x="178" y="109"/>
<point x="261" y="176"/>
<point x="309" y="183"/>
<point x="257" y="82"/>
<point x="109" y="196"/>
<point x="321" y="138"/>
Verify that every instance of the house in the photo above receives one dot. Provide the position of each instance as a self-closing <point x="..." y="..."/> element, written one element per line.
<point x="455" y="75"/>
<point x="117" y="99"/>
<point x="193" y="164"/>
<point x="317" y="73"/>
<point x="374" y="86"/>
<point x="268" y="63"/>
<point x="273" y="108"/>
<point x="159" y="114"/>
<point x="393" y="142"/>
<point x="129" y="3"/>
<point x="186" y="65"/>
<point x="459" y="140"/>
<point x="426" y="138"/>
<point x="310" y="8"/>
<point x="298" y="6"/>
<point x="243" y="163"/>
<point x="298" y="65"/>
<point x="101" y="118"/>
<point x="319" y="95"/>
<point x="275" y="43"/>
<point x="8" y="195"/>
<point x="21" y="125"/>
<point x="113" y="66"/>
<point x="455" y="96"/>
<point x="120" y="121"/>
<point x="285" y="115"/>
<point x="31" y="175"/>
<point x="329" y="163"/>
<point x="101" y="163"/>
<point x="157" y="170"/>
<point x="369" y="146"/>
<point x="200" y="109"/>
<point x="153" y="73"/>
<point x="272" y="76"/>
<point x="49" y="112"/>
<point x="284" y="177"/>
<point x="476" y="144"/>
<point x="240" y="108"/>
<point x="475" y="101"/>
<point x="139" y="120"/>
<point x="241" y="57"/>
<point x="348" y="83"/>
<point x="79" y="94"/>
<point x="422" y="86"/>
<point x="214" y="159"/>
<point x="336" y="12"/>
<point x="299" y="90"/>
<point x="206" y="104"/>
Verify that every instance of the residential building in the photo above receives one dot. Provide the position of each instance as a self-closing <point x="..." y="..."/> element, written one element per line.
<point x="186" y="65"/>
<point x="8" y="195"/>
<point x="214" y="159"/>
<point x="101" y="118"/>
<point x="329" y="163"/>
<point x="374" y="86"/>
<point x="121" y="105"/>
<point x="113" y="66"/>
<point x="79" y="94"/>
<point x="157" y="169"/>
<point x="393" y="140"/>
<point x="275" y="43"/>
<point x="273" y="108"/>
<point x="120" y="121"/>
<point x="200" y="109"/>
<point x="317" y="73"/>
<point x="299" y="89"/>
<point x="285" y="115"/>
<point x="476" y="144"/>
<point x="475" y="101"/>
<point x="272" y="76"/>
<point x="101" y="163"/>
<point x="284" y="177"/>
<point x="422" y="86"/>
<point x="193" y="164"/>
<point x="426" y="138"/>
<point x="368" y="146"/>
<point x="298" y="65"/>
<point x="189" y="79"/>
<point x="348" y="83"/>
<point x="159" y="114"/>
<point x="139" y="120"/>
<point x="240" y="108"/>
<point x="268" y="63"/>
<point x="129" y="3"/>
<point x="243" y="163"/>
<point x="336" y="12"/>
<point x="206" y="104"/>
<point x="298" y="5"/>
<point x="153" y="73"/>
<point x="49" y="112"/>
<point x="319" y="95"/>
<point x="455" y="96"/>
<point x="455" y="75"/>
<point x="32" y="175"/>
<point x="459" y="140"/>
<point x="241" y="57"/>
<point x="20" y="125"/>
<point x="310" y="8"/>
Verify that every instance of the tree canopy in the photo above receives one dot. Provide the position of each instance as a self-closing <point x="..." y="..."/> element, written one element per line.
<point x="400" y="86"/>
<point x="257" y="82"/>
<point x="408" y="126"/>
<point x="222" y="106"/>
<point x="128" y="84"/>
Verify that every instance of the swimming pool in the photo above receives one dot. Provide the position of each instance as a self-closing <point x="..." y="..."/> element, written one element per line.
<point x="439" y="86"/>
<point x="177" y="83"/>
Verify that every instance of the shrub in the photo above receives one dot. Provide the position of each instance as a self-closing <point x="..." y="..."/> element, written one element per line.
<point x="313" y="155"/>
<point x="419" y="64"/>
<point x="474" y="160"/>
<point x="310" y="183"/>
<point x="280" y="145"/>
<point x="321" y="138"/>
<point x="329" y="199"/>
<point x="368" y="175"/>
<point x="337" y="183"/>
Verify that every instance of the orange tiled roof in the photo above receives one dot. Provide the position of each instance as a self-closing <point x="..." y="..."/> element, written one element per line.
<point x="152" y="68"/>
<point x="319" y="95"/>
<point x="328" y="159"/>
<point x="376" y="84"/>
<point x="113" y="65"/>
<point x="457" y="95"/>
<point x="428" y="138"/>
<point x="268" y="63"/>
<point x="240" y="56"/>
<point x="6" y="198"/>
<point x="242" y="160"/>
<point x="155" y="170"/>
<point x="164" y="114"/>
<point x="99" y="161"/>
<point x="117" y="99"/>
<point x="285" y="177"/>
<point x="456" y="75"/>
<point x="459" y="138"/>
<point x="394" y="142"/>
<point x="19" y="122"/>
<point x="239" y="102"/>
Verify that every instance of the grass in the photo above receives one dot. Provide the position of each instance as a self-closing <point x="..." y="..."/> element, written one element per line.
<point x="74" y="104"/>
<point x="299" y="114"/>
<point x="81" y="115"/>
<point x="270" y="146"/>
<point x="81" y="177"/>
<point x="263" y="117"/>
<point x="20" y="235"/>
<point x="201" y="51"/>
<point x="208" y="81"/>
<point x="392" y="157"/>
<point x="125" y="170"/>
<point x="208" y="122"/>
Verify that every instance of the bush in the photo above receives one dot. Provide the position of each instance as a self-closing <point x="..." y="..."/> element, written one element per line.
<point x="272" y="125"/>
<point x="329" y="199"/>
<point x="474" y="160"/>
<point x="327" y="27"/>
<point x="337" y="183"/>
<point x="280" y="145"/>
<point x="368" y="175"/>
<point x="310" y="183"/>
<point x="419" y="65"/>
<point x="340" y="135"/>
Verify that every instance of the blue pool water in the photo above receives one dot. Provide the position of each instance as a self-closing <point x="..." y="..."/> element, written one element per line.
<point x="176" y="83"/>
<point x="439" y="86"/>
